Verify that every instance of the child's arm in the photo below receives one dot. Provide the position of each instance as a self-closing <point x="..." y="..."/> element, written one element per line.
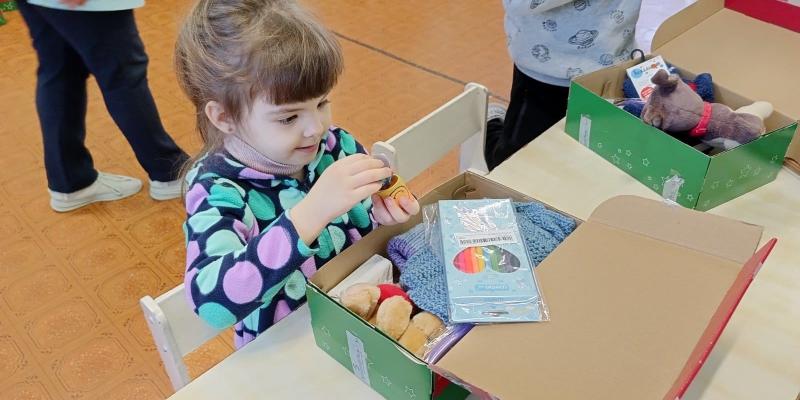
<point x="232" y="267"/>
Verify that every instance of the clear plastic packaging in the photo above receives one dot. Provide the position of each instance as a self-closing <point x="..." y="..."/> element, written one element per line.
<point x="489" y="274"/>
<point x="436" y="348"/>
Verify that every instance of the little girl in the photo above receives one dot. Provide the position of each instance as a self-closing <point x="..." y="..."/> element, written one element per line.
<point x="276" y="191"/>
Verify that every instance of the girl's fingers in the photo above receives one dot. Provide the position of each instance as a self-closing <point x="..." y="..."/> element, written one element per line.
<point x="379" y="211"/>
<point x="372" y="176"/>
<point x="362" y="192"/>
<point x="360" y="163"/>
<point x="410" y="205"/>
<point x="396" y="212"/>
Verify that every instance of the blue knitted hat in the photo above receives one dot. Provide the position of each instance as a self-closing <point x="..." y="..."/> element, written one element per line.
<point x="422" y="272"/>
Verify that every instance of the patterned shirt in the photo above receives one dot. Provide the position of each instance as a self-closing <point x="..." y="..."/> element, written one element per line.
<point x="554" y="41"/>
<point x="245" y="262"/>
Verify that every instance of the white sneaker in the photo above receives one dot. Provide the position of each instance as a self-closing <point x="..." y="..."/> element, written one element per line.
<point x="495" y="111"/>
<point x="107" y="187"/>
<point x="166" y="190"/>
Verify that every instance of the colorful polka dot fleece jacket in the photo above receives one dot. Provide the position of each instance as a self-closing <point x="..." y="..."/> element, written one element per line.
<point x="245" y="262"/>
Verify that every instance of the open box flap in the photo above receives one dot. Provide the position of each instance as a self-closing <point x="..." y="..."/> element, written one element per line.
<point x="721" y="237"/>
<point x="748" y="56"/>
<point x="633" y="299"/>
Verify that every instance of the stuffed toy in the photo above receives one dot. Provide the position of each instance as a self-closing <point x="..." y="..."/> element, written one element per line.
<point x="675" y="107"/>
<point x="422" y="328"/>
<point x="362" y="299"/>
<point x="388" y="308"/>
<point x="702" y="84"/>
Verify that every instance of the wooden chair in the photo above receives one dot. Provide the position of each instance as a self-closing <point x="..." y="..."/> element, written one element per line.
<point x="460" y="121"/>
<point x="176" y="330"/>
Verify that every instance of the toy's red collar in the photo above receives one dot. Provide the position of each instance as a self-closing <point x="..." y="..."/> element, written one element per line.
<point x="702" y="126"/>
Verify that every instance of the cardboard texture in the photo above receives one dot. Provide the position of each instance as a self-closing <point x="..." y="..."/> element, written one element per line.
<point x="746" y="55"/>
<point x="638" y="295"/>
<point x="627" y="309"/>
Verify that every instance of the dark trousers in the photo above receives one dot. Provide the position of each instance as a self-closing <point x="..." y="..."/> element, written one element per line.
<point x="71" y="45"/>
<point x="533" y="108"/>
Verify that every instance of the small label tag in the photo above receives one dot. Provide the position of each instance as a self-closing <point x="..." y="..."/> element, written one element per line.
<point x="585" y="131"/>
<point x="486" y="239"/>
<point x="358" y="357"/>
<point x="642" y="74"/>
<point x="671" y="188"/>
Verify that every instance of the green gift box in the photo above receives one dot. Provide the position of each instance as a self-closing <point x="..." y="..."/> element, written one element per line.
<point x="704" y="37"/>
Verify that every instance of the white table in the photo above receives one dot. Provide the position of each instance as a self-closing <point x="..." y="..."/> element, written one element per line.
<point x="757" y="357"/>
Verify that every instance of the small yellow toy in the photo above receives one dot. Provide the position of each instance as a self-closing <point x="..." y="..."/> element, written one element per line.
<point x="393" y="187"/>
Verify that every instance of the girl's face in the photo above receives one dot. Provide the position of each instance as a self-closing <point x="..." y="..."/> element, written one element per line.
<point x="289" y="133"/>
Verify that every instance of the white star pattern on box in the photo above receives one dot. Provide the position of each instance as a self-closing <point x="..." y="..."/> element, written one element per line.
<point x="410" y="392"/>
<point x="744" y="172"/>
<point x="628" y="153"/>
<point x="774" y="159"/>
<point x="715" y="185"/>
<point x="655" y="186"/>
<point x="326" y="346"/>
<point x="757" y="171"/>
<point x="646" y="162"/>
<point x="326" y="331"/>
<point x="730" y="183"/>
<point x="386" y="380"/>
<point x="690" y="197"/>
<point x="619" y="151"/>
<point x="600" y="145"/>
<point x="629" y="165"/>
<point x="615" y="159"/>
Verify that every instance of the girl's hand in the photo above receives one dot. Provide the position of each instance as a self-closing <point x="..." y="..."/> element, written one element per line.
<point x="341" y="186"/>
<point x="389" y="211"/>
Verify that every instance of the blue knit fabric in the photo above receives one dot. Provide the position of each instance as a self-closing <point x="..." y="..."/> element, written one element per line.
<point x="422" y="272"/>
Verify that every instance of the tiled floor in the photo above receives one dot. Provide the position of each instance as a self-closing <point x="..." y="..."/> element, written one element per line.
<point x="70" y="325"/>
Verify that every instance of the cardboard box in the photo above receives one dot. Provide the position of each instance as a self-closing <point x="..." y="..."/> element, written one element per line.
<point x="638" y="296"/>
<point x="783" y="13"/>
<point x="744" y="70"/>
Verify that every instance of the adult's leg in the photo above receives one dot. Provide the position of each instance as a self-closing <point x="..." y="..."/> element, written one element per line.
<point x="111" y="48"/>
<point x="61" y="105"/>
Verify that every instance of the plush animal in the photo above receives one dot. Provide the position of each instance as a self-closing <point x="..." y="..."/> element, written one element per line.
<point x="388" y="308"/>
<point x="702" y="84"/>
<point x="675" y="107"/>
<point x="362" y="299"/>
<point x="422" y="328"/>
